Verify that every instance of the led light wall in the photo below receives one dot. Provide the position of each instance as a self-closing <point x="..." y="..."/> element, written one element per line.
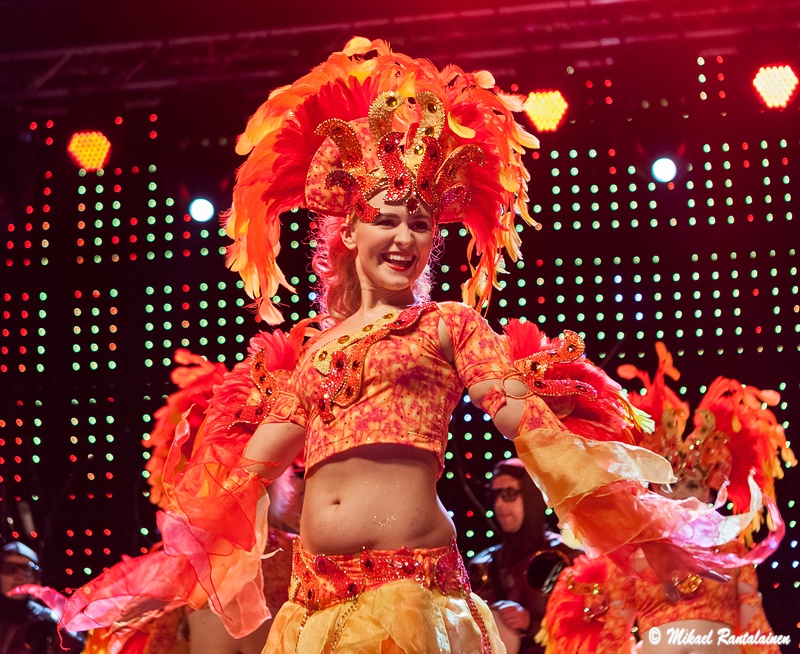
<point x="105" y="276"/>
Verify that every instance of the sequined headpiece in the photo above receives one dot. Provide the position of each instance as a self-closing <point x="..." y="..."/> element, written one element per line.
<point x="361" y="158"/>
<point x="733" y="432"/>
<point x="368" y="120"/>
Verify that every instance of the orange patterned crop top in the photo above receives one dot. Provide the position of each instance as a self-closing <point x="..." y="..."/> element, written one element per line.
<point x="407" y="390"/>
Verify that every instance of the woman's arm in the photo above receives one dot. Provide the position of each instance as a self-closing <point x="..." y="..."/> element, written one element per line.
<point x="272" y="448"/>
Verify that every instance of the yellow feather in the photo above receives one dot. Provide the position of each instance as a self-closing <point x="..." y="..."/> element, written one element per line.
<point x="484" y="79"/>
<point x="460" y="130"/>
<point x="358" y="45"/>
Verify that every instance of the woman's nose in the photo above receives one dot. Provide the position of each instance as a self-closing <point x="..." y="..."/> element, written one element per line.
<point x="403" y="234"/>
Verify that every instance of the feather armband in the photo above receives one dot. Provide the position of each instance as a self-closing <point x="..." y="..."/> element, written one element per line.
<point x="534" y="368"/>
<point x="586" y="400"/>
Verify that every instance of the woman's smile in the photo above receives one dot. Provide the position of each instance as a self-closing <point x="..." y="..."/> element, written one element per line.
<point x="400" y="261"/>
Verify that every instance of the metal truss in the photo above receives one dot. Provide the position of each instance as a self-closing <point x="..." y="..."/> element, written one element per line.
<point x="507" y="40"/>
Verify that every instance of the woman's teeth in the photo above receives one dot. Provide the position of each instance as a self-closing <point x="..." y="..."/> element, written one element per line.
<point x="402" y="261"/>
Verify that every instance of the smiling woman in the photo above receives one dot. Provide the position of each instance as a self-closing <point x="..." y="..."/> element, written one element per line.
<point x="384" y="149"/>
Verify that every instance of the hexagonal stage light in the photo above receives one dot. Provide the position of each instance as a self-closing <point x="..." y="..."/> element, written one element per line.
<point x="776" y="85"/>
<point x="89" y="150"/>
<point x="546" y="110"/>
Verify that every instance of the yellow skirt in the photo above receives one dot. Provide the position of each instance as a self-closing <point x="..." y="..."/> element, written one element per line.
<point x="400" y="617"/>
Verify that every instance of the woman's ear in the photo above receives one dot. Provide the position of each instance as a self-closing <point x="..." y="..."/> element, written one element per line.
<point x="348" y="237"/>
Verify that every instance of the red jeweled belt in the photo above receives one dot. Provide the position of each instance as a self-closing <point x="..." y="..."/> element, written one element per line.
<point x="320" y="581"/>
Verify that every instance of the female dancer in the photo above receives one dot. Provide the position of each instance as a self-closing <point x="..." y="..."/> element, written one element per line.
<point x="594" y="607"/>
<point x="385" y="149"/>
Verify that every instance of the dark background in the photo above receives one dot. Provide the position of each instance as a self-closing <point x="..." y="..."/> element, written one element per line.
<point x="96" y="297"/>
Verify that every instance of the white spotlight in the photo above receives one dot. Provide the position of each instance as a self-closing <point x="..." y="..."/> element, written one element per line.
<point x="201" y="210"/>
<point x="664" y="169"/>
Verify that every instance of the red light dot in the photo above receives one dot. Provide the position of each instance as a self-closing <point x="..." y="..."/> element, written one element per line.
<point x="46" y="208"/>
<point x="186" y="253"/>
<point x="153" y="134"/>
<point x="722" y="94"/>
<point x="78" y="294"/>
<point x="117" y="171"/>
<point x="746" y="163"/>
<point x="755" y="292"/>
<point x="187" y="234"/>
<point x="750" y="218"/>
<point x="463" y="269"/>
<point x="540" y="300"/>
<point x="133" y="238"/>
<point x="115" y="239"/>
<point x="185" y="306"/>
<point x="719" y="59"/>
<point x="609" y="100"/>
<point x="470" y="514"/>
<point x="28" y="209"/>
<point x="134" y="221"/>
<point x="535" y="155"/>
<point x="118" y="120"/>
<point x="49" y="124"/>
<point x="745" y="146"/>
<point x="468" y="455"/>
<point x="607" y="83"/>
<point x="589" y="84"/>
<point x="135" y="170"/>
<point x="48" y="175"/>
<point x="758" y="329"/>
<point x="612" y="152"/>
<point x="613" y="170"/>
<point x="153" y="118"/>
<point x="48" y="140"/>
<point x="33" y="126"/>
<point x="185" y="288"/>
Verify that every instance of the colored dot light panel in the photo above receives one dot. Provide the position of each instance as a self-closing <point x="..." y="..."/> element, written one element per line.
<point x="106" y="275"/>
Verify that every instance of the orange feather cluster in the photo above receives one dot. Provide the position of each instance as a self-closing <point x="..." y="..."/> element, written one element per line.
<point x="734" y="431"/>
<point x="605" y="418"/>
<point x="280" y="140"/>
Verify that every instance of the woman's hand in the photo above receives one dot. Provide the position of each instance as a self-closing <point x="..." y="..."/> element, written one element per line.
<point x="513" y="615"/>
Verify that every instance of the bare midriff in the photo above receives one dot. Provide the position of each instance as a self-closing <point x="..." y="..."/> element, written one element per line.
<point x="689" y="637"/>
<point x="379" y="496"/>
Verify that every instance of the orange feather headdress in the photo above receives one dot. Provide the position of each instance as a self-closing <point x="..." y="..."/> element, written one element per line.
<point x="734" y="432"/>
<point x="367" y="120"/>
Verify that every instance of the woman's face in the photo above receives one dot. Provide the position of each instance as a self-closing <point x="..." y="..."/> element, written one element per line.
<point x="393" y="250"/>
<point x="691" y="484"/>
